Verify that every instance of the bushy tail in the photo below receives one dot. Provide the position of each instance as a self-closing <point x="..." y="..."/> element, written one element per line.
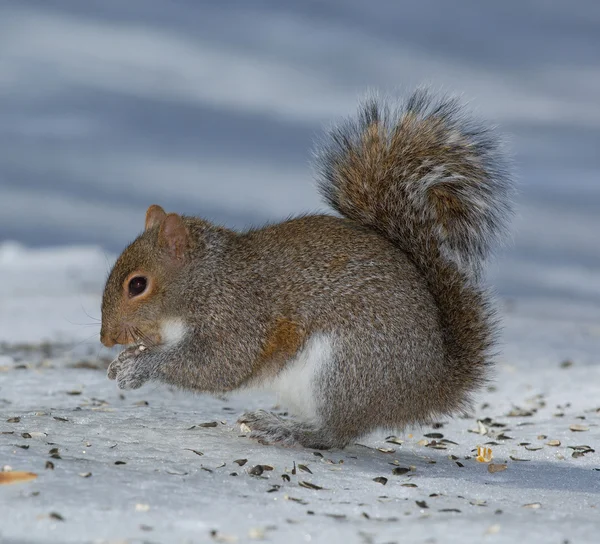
<point x="435" y="183"/>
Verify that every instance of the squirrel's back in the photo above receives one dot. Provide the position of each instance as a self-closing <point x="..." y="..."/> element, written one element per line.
<point x="433" y="182"/>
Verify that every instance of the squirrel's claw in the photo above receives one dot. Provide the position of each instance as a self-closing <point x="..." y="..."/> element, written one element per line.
<point x="267" y="428"/>
<point x="128" y="370"/>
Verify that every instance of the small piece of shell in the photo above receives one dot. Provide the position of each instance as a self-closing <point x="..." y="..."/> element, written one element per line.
<point x="194" y="451"/>
<point x="141" y="347"/>
<point x="380" y="480"/>
<point x="533" y="505"/>
<point x="294" y="499"/>
<point x="244" y="428"/>
<point x="140" y="507"/>
<point x="309" y="485"/>
<point x="257" y="533"/>
<point x="241" y="462"/>
<point x="222" y="537"/>
<point x="85" y="474"/>
<point x="493" y="529"/>
<point x="256" y="470"/>
<point x="553" y="443"/>
<point x="484" y="455"/>
<point x="579" y="428"/>
<point x="16" y="476"/>
<point x="496" y="467"/>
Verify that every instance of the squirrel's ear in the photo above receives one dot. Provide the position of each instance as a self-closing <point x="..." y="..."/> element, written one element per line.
<point x="154" y="216"/>
<point x="174" y="236"/>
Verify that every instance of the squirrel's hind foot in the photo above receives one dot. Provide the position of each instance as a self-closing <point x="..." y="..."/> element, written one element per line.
<point x="267" y="428"/>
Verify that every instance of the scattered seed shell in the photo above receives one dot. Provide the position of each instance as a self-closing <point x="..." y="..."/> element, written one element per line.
<point x="16" y="476"/>
<point x="194" y="451"/>
<point x="484" y="455"/>
<point x="576" y="428"/>
<point x="496" y="467"/>
<point x="309" y="485"/>
<point x="256" y="470"/>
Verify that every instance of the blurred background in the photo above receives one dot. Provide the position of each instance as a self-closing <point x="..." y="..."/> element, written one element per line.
<point x="212" y="108"/>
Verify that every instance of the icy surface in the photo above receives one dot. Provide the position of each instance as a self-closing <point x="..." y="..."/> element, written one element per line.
<point x="177" y="483"/>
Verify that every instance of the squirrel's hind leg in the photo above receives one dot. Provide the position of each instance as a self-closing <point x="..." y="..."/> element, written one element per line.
<point x="267" y="428"/>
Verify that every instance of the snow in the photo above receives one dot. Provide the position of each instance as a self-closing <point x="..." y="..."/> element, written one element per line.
<point x="548" y="378"/>
<point x="50" y="294"/>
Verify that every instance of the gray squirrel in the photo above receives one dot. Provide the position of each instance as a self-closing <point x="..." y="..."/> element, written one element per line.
<point x="375" y="319"/>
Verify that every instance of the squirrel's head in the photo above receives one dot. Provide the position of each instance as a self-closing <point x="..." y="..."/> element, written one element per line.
<point x="138" y="293"/>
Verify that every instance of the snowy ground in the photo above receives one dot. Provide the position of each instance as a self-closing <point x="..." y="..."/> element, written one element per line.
<point x="143" y="467"/>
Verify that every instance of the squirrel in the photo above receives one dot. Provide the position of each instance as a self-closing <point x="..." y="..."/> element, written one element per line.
<point x="376" y="318"/>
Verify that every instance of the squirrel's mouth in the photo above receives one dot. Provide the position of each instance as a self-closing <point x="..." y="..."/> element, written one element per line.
<point x="129" y="335"/>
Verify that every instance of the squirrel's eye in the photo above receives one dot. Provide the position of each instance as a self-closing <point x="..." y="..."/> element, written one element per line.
<point x="137" y="285"/>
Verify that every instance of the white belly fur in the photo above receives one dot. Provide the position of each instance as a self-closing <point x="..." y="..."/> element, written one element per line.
<point x="295" y="384"/>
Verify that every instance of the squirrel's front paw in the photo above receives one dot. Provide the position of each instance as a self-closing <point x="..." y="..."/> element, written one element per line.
<point x="130" y="369"/>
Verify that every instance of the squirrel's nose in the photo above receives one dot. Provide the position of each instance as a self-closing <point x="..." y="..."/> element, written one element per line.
<point x="106" y="339"/>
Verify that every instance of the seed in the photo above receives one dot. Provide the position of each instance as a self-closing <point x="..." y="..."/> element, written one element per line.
<point x="579" y="428"/>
